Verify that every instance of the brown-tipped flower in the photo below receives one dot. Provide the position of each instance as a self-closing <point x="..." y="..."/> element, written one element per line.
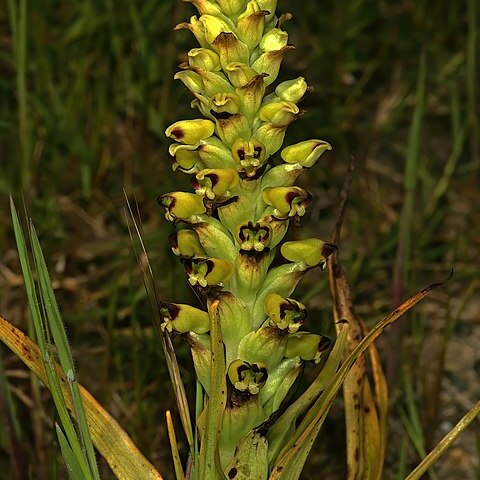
<point x="213" y="183"/>
<point x="307" y="346"/>
<point x="292" y="90"/>
<point x="250" y="155"/>
<point x="230" y="49"/>
<point x="287" y="201"/>
<point x="279" y="113"/>
<point x="247" y="377"/>
<point x="285" y="313"/>
<point x="254" y="237"/>
<point x="205" y="59"/>
<point x="181" y="205"/>
<point x="184" y="318"/>
<point x="311" y="251"/>
<point x="185" y="243"/>
<point x="250" y="25"/>
<point x="305" y="153"/>
<point x="208" y="272"/>
<point x="190" y="131"/>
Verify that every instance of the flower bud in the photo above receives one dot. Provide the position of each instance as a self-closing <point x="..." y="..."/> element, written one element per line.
<point x="193" y="81"/>
<point x="310" y="251"/>
<point x="279" y="113"/>
<point x="247" y="377"/>
<point x="185" y="158"/>
<point x="185" y="243"/>
<point x="292" y="90"/>
<point x="230" y="49"/>
<point x="239" y="74"/>
<point x="197" y="28"/>
<point x="285" y="313"/>
<point x="267" y="345"/>
<point x="269" y="63"/>
<point x="210" y="271"/>
<point x="205" y="59"/>
<point x="274" y="39"/>
<point x="206" y="7"/>
<point x="253" y="237"/>
<point x="213" y="82"/>
<point x="233" y="127"/>
<point x="305" y="153"/>
<point x="287" y="202"/>
<point x="270" y="6"/>
<point x="213" y="27"/>
<point x="213" y="183"/>
<point x="250" y="24"/>
<point x="183" y="318"/>
<point x="181" y="205"/>
<point x="190" y="131"/>
<point x="307" y="346"/>
<point x="250" y="155"/>
<point x="231" y="7"/>
<point x="215" y="154"/>
<point x="271" y="136"/>
<point x="224" y="104"/>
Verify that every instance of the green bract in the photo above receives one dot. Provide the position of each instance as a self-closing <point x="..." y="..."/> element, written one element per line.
<point x="231" y="223"/>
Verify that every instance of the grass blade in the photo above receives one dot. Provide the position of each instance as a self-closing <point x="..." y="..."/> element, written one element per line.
<point x="113" y="443"/>
<point x="445" y="443"/>
<point x="177" y="464"/>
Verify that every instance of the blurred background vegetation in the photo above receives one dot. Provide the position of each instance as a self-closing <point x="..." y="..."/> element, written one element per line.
<point x="86" y="92"/>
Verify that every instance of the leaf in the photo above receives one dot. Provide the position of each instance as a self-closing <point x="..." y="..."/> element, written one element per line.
<point x="113" y="443"/>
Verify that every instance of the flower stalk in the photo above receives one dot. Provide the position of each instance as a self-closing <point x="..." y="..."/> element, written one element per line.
<point x="251" y="343"/>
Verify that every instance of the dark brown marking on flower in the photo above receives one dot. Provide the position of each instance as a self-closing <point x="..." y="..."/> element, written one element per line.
<point x="241" y="153"/>
<point x="232" y="473"/>
<point x="194" y="182"/>
<point x="178" y="133"/>
<point x="220" y="115"/>
<point x="257" y="152"/>
<point x="328" y="249"/>
<point x="324" y="344"/>
<point x="173" y="240"/>
<point x="357" y="454"/>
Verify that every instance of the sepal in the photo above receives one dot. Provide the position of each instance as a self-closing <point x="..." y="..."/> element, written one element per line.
<point x="270" y="61"/>
<point x="190" y="131"/>
<point x="205" y="59"/>
<point x="185" y="243"/>
<point x="271" y="136"/>
<point x="247" y="377"/>
<point x="215" y="182"/>
<point x="292" y="90"/>
<point x="280" y="113"/>
<point x="181" y="205"/>
<point x="233" y="127"/>
<point x="285" y="313"/>
<point x="230" y="49"/>
<point x="208" y="272"/>
<point x="185" y="158"/>
<point x="287" y="202"/>
<point x="251" y="23"/>
<point x="183" y="318"/>
<point x="305" y="153"/>
<point x="307" y="346"/>
<point x="215" y="154"/>
<point x="266" y="345"/>
<point x="311" y="251"/>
